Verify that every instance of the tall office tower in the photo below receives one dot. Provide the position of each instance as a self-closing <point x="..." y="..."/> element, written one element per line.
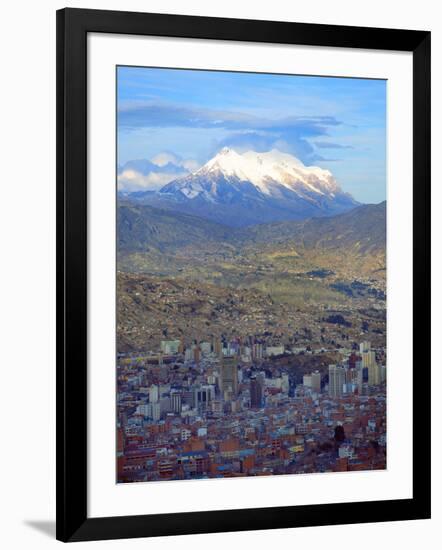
<point x="336" y="380"/>
<point x="181" y="346"/>
<point x="217" y="347"/>
<point x="255" y="393"/>
<point x="211" y="379"/>
<point x="154" y="394"/>
<point x="229" y="375"/>
<point x="364" y="346"/>
<point x="196" y="353"/>
<point x="257" y="351"/>
<point x="175" y="402"/>
<point x="374" y="374"/>
<point x="360" y="379"/>
<point x="165" y="405"/>
<point x="368" y="359"/>
<point x="316" y="381"/>
<point x="203" y="395"/>
<point x="156" y="411"/>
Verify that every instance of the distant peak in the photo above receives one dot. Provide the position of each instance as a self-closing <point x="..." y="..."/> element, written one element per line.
<point x="274" y="174"/>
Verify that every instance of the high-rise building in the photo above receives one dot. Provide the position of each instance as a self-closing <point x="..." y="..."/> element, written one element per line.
<point x="175" y="402"/>
<point x="364" y="346"/>
<point x="165" y="405"/>
<point x="368" y="359"/>
<point x="246" y="353"/>
<point x="170" y="346"/>
<point x="196" y="353"/>
<point x="316" y="381"/>
<point x="374" y="374"/>
<point x="255" y="393"/>
<point x="257" y="351"/>
<point x="217" y="347"/>
<point x="203" y="395"/>
<point x="154" y="394"/>
<point x="156" y="411"/>
<point x="229" y="375"/>
<point x="336" y="380"/>
<point x="369" y="363"/>
<point x="206" y="348"/>
<point x="145" y="409"/>
<point x="359" y="380"/>
<point x="312" y="381"/>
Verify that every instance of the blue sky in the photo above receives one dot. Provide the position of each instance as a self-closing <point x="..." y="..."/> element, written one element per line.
<point x="335" y="123"/>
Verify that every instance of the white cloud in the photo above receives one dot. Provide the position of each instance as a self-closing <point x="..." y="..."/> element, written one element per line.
<point x="153" y="174"/>
<point x="190" y="165"/>
<point x="161" y="159"/>
<point x="164" y="158"/>
<point x="131" y="180"/>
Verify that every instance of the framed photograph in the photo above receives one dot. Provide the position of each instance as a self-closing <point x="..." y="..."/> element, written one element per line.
<point x="243" y="301"/>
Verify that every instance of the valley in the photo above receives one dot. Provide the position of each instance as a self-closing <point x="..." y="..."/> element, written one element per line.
<point x="268" y="278"/>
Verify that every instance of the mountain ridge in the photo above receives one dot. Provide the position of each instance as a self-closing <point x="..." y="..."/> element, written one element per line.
<point x="244" y="189"/>
<point x="144" y="227"/>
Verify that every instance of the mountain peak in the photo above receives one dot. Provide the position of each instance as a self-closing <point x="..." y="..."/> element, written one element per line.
<point x="256" y="186"/>
<point x="271" y="172"/>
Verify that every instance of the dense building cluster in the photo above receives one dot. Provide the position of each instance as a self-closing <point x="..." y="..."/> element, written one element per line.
<point x="218" y="408"/>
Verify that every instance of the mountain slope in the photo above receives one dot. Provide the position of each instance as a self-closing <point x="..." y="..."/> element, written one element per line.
<point x="250" y="188"/>
<point x="361" y="230"/>
<point x="143" y="227"/>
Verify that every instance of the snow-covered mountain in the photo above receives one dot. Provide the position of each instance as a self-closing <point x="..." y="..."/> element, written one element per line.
<point x="242" y="189"/>
<point x="272" y="174"/>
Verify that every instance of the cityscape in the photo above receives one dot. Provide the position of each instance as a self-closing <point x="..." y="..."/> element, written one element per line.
<point x="251" y="292"/>
<point x="225" y="409"/>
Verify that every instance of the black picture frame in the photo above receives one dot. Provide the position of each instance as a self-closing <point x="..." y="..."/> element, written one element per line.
<point x="73" y="25"/>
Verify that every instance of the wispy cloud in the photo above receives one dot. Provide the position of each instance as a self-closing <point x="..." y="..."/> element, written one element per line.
<point x="149" y="115"/>
<point x="131" y="180"/>
<point x="151" y="175"/>
<point x="288" y="134"/>
<point x="287" y="142"/>
<point x="329" y="145"/>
